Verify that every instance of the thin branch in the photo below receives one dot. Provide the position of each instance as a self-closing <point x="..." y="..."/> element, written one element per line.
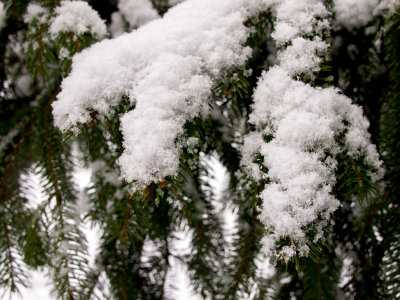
<point x="126" y="222"/>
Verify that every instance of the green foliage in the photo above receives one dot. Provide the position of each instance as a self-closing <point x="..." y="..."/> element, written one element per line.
<point x="139" y="230"/>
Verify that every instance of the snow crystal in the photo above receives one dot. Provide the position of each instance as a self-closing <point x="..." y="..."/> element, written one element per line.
<point x="167" y="67"/>
<point x="77" y="17"/>
<point x="137" y="12"/>
<point x="354" y="13"/>
<point x="3" y="15"/>
<point x="35" y="11"/>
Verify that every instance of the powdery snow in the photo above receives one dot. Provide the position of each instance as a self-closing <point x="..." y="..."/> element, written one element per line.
<point x="35" y="12"/>
<point x="295" y="17"/>
<point x="356" y="13"/>
<point x="303" y="121"/>
<point x="167" y="67"/>
<point x="137" y="12"/>
<point x="117" y="26"/>
<point x="77" y="17"/>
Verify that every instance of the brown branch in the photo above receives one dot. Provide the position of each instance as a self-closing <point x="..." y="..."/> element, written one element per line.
<point x="126" y="222"/>
<point x="76" y="42"/>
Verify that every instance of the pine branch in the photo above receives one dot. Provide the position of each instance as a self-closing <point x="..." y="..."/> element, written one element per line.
<point x="244" y="263"/>
<point x="13" y="158"/>
<point x="13" y="285"/>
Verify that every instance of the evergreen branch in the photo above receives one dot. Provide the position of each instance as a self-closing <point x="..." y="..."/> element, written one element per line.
<point x="49" y="156"/>
<point x="10" y="256"/>
<point x="119" y="273"/>
<point x="41" y="64"/>
<point x="94" y="282"/>
<point x="7" y="171"/>
<point x="199" y="230"/>
<point x="76" y="42"/>
<point x="166" y="259"/>
<point x="244" y="263"/>
<point x="360" y="180"/>
<point x="126" y="222"/>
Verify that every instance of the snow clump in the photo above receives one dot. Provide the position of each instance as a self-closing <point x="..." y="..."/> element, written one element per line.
<point x="297" y="124"/>
<point x="36" y="12"/>
<point x="167" y="68"/>
<point x="137" y="12"/>
<point x="77" y="17"/>
<point x="356" y="13"/>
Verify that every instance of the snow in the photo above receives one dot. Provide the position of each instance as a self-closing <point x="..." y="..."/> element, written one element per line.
<point x="294" y="17"/>
<point x="167" y="67"/>
<point x="304" y="122"/>
<point x="77" y="17"/>
<point x="23" y="85"/>
<point x="3" y="15"/>
<point x="300" y="57"/>
<point x="117" y="26"/>
<point x="357" y="13"/>
<point x="387" y="5"/>
<point x="354" y="13"/>
<point x="8" y="139"/>
<point x="35" y="12"/>
<point x="137" y="12"/>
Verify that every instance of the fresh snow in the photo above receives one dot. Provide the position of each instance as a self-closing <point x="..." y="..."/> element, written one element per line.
<point x="77" y="17"/>
<point x="167" y="68"/>
<point x="304" y="122"/>
<point x="35" y="12"/>
<point x="137" y="12"/>
<point x="354" y="13"/>
<point x="357" y="13"/>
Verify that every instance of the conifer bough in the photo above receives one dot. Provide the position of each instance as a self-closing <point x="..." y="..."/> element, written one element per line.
<point x="259" y="83"/>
